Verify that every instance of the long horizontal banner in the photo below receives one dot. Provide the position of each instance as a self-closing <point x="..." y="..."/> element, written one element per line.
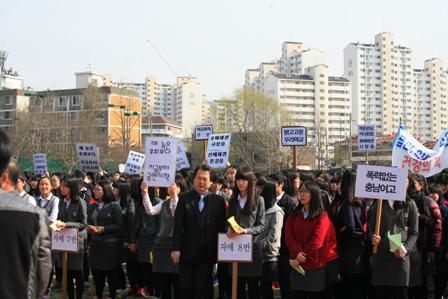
<point x="409" y="153"/>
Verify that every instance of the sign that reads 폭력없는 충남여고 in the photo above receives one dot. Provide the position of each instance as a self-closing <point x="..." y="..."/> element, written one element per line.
<point x="381" y="182"/>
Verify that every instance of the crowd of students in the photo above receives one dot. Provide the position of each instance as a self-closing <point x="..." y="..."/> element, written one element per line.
<point x="166" y="238"/>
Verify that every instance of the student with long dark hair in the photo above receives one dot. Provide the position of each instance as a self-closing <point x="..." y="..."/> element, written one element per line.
<point x="168" y="271"/>
<point x="351" y="241"/>
<point x="121" y="190"/>
<point x="249" y="212"/>
<point x="306" y="235"/>
<point x="106" y="229"/>
<point x="146" y="229"/>
<point x="435" y="192"/>
<point x="390" y="270"/>
<point x="270" y="239"/>
<point x="428" y="242"/>
<point x="73" y="214"/>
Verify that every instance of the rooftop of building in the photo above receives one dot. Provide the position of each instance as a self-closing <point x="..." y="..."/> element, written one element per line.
<point x="295" y="77"/>
<point x="164" y="120"/>
<point x="338" y="79"/>
<point x="291" y="42"/>
<point x="79" y="91"/>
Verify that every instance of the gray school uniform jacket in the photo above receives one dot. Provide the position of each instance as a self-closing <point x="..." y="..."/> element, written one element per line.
<point x="270" y="239"/>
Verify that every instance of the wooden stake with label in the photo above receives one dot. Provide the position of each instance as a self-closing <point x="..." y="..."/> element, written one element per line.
<point x="234" y="280"/>
<point x="64" y="274"/>
<point x="378" y="222"/>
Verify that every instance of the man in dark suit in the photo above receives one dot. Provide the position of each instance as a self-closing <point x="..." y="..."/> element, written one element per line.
<point x="199" y="217"/>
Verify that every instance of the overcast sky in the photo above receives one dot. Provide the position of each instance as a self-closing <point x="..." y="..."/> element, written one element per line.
<point x="48" y="41"/>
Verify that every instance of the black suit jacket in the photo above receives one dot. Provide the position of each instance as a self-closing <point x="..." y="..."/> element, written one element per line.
<point x="187" y="234"/>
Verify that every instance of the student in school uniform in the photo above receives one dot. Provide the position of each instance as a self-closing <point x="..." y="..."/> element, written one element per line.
<point x="391" y="270"/>
<point x="269" y="239"/>
<point x="50" y="203"/>
<point x="249" y="212"/>
<point x="147" y="226"/>
<point x="306" y="235"/>
<point x="73" y="214"/>
<point x="167" y="271"/>
<point x="106" y="230"/>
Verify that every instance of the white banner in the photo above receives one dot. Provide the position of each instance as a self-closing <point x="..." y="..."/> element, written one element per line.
<point x="410" y="154"/>
<point x="134" y="163"/>
<point x="217" y="154"/>
<point x="40" y="164"/>
<point x="160" y="164"/>
<point x="381" y="182"/>
<point x="88" y="156"/>
<point x="182" y="160"/>
<point x="65" y="240"/>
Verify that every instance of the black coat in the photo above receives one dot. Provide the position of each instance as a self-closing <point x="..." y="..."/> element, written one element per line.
<point x="187" y="232"/>
<point x="74" y="217"/>
<point x="105" y="248"/>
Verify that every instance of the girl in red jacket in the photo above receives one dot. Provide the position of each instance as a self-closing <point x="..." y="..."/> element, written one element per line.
<point x="306" y="236"/>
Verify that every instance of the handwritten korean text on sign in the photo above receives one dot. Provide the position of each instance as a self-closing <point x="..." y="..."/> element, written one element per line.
<point x="134" y="163"/>
<point x="237" y="249"/>
<point x="203" y="132"/>
<point x="160" y="165"/>
<point x="381" y="182"/>
<point x="294" y="136"/>
<point x="217" y="154"/>
<point x="366" y="137"/>
<point x="40" y="163"/>
<point x="88" y="156"/>
<point x="65" y="240"/>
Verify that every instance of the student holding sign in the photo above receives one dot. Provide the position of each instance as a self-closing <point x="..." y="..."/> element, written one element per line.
<point x="73" y="214"/>
<point x="306" y="235"/>
<point x="248" y="210"/>
<point x="390" y="270"/>
<point x="106" y="229"/>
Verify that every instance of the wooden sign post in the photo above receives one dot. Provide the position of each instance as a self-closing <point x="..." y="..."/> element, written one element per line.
<point x="294" y="136"/>
<point x="65" y="241"/>
<point x="380" y="182"/>
<point x="235" y="250"/>
<point x="203" y="132"/>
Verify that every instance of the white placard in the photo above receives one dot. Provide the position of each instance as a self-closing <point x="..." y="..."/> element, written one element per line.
<point x="410" y="154"/>
<point x="182" y="160"/>
<point x="381" y="182"/>
<point x="40" y="164"/>
<point x="217" y="154"/>
<point x="134" y="163"/>
<point x="88" y="156"/>
<point x="366" y="137"/>
<point x="294" y="136"/>
<point x="238" y="249"/>
<point x="65" y="240"/>
<point x="203" y="132"/>
<point x="160" y="164"/>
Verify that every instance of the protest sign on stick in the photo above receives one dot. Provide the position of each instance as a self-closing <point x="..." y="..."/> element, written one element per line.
<point x="182" y="160"/>
<point x="134" y="163"/>
<point x="40" y="164"/>
<point x="294" y="136"/>
<point x="235" y="250"/>
<point x="160" y="162"/>
<point x="203" y="133"/>
<point x="218" y="150"/>
<point x="88" y="156"/>
<point x="379" y="182"/>
<point x="65" y="240"/>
